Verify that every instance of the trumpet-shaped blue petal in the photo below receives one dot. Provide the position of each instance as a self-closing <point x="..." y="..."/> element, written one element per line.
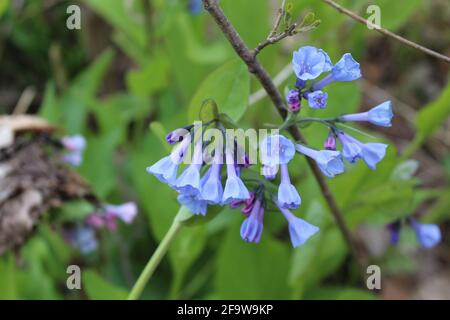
<point x="310" y="62"/>
<point x="372" y="153"/>
<point x="317" y="99"/>
<point x="189" y="181"/>
<point x="299" y="230"/>
<point x="288" y="196"/>
<point x="347" y="69"/>
<point x="270" y="172"/>
<point x="380" y="115"/>
<point x="211" y="187"/>
<point x="428" y="235"/>
<point x="275" y="150"/>
<point x="329" y="162"/>
<point x="193" y="203"/>
<point x="165" y="170"/>
<point x="252" y="227"/>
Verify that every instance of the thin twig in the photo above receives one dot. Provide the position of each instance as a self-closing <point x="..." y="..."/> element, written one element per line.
<point x="387" y="32"/>
<point x="261" y="74"/>
<point x="275" y="38"/>
<point x="276" y="25"/>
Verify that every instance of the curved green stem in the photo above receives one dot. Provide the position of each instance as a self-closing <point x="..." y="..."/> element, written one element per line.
<point x="156" y="258"/>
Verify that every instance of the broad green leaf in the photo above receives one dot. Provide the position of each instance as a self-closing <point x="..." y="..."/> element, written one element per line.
<point x="97" y="288"/>
<point x="249" y="271"/>
<point x="228" y="86"/>
<point x="74" y="210"/>
<point x="8" y="286"/>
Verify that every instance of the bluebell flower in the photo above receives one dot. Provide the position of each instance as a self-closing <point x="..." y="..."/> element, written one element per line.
<point x="293" y="100"/>
<point x="330" y="162"/>
<point x="270" y="172"/>
<point x="317" y="99"/>
<point x="235" y="189"/>
<point x="275" y="150"/>
<point x="83" y="238"/>
<point x="310" y="62"/>
<point x="193" y="203"/>
<point x="288" y="196"/>
<point x="352" y="150"/>
<point x="195" y="7"/>
<point x="299" y="230"/>
<point x="380" y="115"/>
<point x="166" y="169"/>
<point x="347" y="69"/>
<point x="125" y="212"/>
<point x="300" y="84"/>
<point x="75" y="146"/>
<point x="189" y="181"/>
<point x="211" y="187"/>
<point x="394" y="230"/>
<point x="252" y="227"/>
<point x="428" y="235"/>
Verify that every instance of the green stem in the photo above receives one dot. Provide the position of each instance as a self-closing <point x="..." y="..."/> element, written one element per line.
<point x="156" y="258"/>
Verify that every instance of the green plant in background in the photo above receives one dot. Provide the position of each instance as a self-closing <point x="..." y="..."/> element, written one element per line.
<point x="179" y="60"/>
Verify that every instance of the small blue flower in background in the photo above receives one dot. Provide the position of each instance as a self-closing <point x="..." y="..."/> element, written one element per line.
<point x="288" y="196"/>
<point x="195" y="7"/>
<point x="235" y="189"/>
<point x="83" y="238"/>
<point x="193" y="203"/>
<point x="428" y="235"/>
<point x="293" y="100"/>
<point x="317" y="99"/>
<point x="275" y="150"/>
<point x="380" y="115"/>
<point x="352" y="150"/>
<point x="75" y="146"/>
<point x="330" y="162"/>
<point x="125" y="212"/>
<point x="310" y="62"/>
<point x="252" y="227"/>
<point x="299" y="230"/>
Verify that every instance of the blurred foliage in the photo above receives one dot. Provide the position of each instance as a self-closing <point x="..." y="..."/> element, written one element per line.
<point x="173" y="62"/>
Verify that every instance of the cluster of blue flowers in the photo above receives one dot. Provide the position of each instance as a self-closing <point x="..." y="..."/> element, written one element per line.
<point x="196" y="192"/>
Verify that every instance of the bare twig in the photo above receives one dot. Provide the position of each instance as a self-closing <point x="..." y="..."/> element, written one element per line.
<point x="275" y="38"/>
<point x="276" y="25"/>
<point x="261" y="74"/>
<point x="387" y="32"/>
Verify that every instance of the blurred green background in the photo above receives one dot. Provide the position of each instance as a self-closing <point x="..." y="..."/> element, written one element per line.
<point x="138" y="69"/>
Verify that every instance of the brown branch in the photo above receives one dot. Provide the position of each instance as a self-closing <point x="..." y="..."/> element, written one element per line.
<point x="387" y="32"/>
<point x="274" y="39"/>
<point x="261" y="74"/>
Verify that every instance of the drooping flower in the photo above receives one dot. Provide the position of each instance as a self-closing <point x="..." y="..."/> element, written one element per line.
<point x="75" y="146"/>
<point x="211" y="187"/>
<point x="293" y="101"/>
<point x="235" y="189"/>
<point x="380" y="115"/>
<point x="310" y="62"/>
<point x="252" y="227"/>
<point x="299" y="230"/>
<point x="270" y="172"/>
<point x="330" y="143"/>
<point x="189" y="181"/>
<point x="125" y="212"/>
<point x="276" y="150"/>
<point x="288" y="196"/>
<point x="193" y="203"/>
<point x="347" y="69"/>
<point x="330" y="162"/>
<point x="317" y="99"/>
<point x="166" y="169"/>
<point x="428" y="235"/>
<point x="352" y="150"/>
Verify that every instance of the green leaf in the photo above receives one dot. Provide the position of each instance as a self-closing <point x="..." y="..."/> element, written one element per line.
<point x="249" y="271"/>
<point x="97" y="288"/>
<point x="8" y="290"/>
<point x="432" y="116"/>
<point x="74" y="210"/>
<point x="228" y="86"/>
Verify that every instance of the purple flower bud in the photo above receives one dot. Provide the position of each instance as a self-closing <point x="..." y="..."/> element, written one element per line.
<point x="293" y="101"/>
<point x="176" y="136"/>
<point x="330" y="143"/>
<point x="300" y="83"/>
<point x="394" y="229"/>
<point x="252" y="227"/>
<point x="248" y="204"/>
<point x="95" y="220"/>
